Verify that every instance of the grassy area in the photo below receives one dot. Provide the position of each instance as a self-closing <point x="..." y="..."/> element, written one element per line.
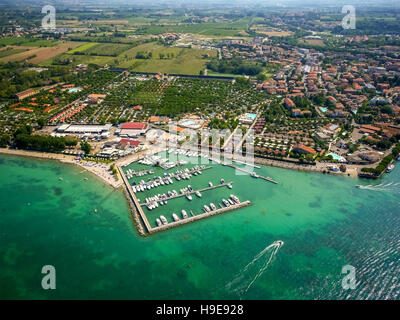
<point x="108" y="49"/>
<point x="180" y="60"/>
<point x="10" y="51"/>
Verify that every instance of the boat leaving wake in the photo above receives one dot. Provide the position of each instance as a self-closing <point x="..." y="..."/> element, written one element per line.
<point x="254" y="269"/>
<point x="380" y="187"/>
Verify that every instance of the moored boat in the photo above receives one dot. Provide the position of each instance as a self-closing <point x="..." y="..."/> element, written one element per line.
<point x="390" y="168"/>
<point x="164" y="220"/>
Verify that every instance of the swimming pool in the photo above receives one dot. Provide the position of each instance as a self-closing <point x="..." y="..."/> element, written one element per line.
<point x="337" y="157"/>
<point x="323" y="109"/>
<point x="252" y="116"/>
<point x="73" y="90"/>
<point x="188" y="123"/>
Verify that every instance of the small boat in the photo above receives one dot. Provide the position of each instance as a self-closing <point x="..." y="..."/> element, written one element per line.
<point x="254" y="175"/>
<point x="175" y="217"/>
<point x="226" y="203"/>
<point x="163" y="220"/>
<point x="189" y="196"/>
<point x="158" y="221"/>
<point x="198" y="194"/>
<point x="210" y="184"/>
<point x="206" y="208"/>
<point x="184" y="214"/>
<point x="213" y="207"/>
<point x="390" y="168"/>
<point x="229" y="186"/>
<point x="222" y="181"/>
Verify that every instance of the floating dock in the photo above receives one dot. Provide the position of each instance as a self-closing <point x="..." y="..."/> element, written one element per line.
<point x="194" y="191"/>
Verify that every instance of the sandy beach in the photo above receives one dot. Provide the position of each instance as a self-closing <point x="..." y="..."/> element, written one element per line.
<point x="101" y="170"/>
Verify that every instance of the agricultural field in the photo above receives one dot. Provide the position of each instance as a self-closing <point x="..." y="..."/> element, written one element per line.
<point x="312" y="42"/>
<point x="83" y="47"/>
<point x="234" y="28"/>
<point x="73" y="60"/>
<point x="100" y="49"/>
<point x="165" y="59"/>
<point x="27" y="42"/>
<point x="107" y="49"/>
<point x="39" y="54"/>
<point x="8" y="51"/>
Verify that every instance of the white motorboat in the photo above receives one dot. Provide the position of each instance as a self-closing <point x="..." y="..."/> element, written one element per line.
<point x="164" y="220"/>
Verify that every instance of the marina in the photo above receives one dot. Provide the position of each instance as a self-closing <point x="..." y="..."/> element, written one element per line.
<point x="195" y="203"/>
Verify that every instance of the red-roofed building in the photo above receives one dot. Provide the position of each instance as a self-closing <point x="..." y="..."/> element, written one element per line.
<point x="133" y="129"/>
<point x="289" y="104"/>
<point x="303" y="149"/>
<point x="132" y="143"/>
<point x="134" y="125"/>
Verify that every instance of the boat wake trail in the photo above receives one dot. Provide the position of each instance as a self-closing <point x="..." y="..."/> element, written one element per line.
<point x="391" y="186"/>
<point x="254" y="269"/>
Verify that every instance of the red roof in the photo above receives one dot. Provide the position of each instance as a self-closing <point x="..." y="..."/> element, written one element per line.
<point x="134" y="125"/>
<point x="134" y="143"/>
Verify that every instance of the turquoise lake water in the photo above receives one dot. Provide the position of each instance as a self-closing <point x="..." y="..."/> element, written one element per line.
<point x="323" y="220"/>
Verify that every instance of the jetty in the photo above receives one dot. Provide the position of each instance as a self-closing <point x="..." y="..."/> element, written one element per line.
<point x="250" y="173"/>
<point x="200" y="216"/>
<point x="134" y="200"/>
<point x="194" y="191"/>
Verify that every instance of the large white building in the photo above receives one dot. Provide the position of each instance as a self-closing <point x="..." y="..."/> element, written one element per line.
<point x="94" y="129"/>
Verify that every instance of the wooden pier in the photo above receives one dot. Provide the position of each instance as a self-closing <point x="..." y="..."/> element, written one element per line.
<point x="194" y="191"/>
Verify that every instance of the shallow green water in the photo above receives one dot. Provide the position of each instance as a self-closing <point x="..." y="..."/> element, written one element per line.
<point x="324" y="221"/>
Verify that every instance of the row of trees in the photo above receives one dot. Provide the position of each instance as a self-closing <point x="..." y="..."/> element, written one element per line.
<point x="235" y="66"/>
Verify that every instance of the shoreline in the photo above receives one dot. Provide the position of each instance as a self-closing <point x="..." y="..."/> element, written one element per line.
<point x="99" y="170"/>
